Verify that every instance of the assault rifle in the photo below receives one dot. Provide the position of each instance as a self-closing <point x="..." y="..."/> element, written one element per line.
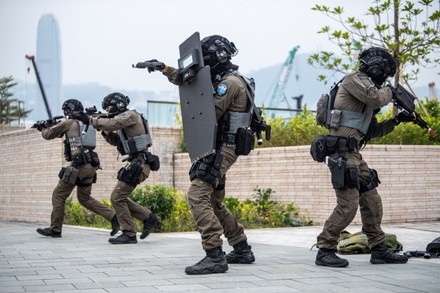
<point x="257" y="126"/>
<point x="91" y="111"/>
<point x="404" y="100"/>
<point x="39" y="125"/>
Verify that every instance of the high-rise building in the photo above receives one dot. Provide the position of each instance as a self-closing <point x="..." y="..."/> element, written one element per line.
<point x="48" y="60"/>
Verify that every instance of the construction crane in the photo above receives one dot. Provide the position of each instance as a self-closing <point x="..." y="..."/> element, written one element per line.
<point x="40" y="84"/>
<point x="278" y="95"/>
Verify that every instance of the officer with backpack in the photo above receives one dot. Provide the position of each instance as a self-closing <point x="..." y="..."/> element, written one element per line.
<point x="350" y="117"/>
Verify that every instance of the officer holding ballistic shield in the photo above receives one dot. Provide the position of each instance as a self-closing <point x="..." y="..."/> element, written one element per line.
<point x="217" y="112"/>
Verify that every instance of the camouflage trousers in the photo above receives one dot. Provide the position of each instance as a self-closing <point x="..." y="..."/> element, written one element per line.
<point x="347" y="202"/>
<point x="210" y="214"/>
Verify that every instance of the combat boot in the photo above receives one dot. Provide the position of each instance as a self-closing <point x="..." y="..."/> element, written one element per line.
<point x="149" y="224"/>
<point x="123" y="239"/>
<point x="380" y="254"/>
<point x="242" y="254"/>
<point x="327" y="257"/>
<point x="213" y="262"/>
<point x="115" y="226"/>
<point x="49" y="232"/>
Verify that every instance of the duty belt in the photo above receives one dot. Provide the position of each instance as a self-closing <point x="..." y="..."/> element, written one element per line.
<point x="348" y="144"/>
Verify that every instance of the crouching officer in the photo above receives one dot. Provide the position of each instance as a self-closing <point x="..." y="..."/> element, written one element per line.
<point x="359" y="97"/>
<point x="78" y="150"/>
<point x="233" y="103"/>
<point x="128" y="130"/>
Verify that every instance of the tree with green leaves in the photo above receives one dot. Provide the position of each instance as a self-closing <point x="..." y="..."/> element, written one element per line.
<point x="10" y="109"/>
<point x="410" y="30"/>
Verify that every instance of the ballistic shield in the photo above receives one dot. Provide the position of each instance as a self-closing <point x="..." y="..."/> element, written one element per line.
<point x="196" y="100"/>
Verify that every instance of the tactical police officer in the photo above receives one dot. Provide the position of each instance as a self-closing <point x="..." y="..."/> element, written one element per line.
<point x="360" y="96"/>
<point x="233" y="101"/>
<point x="128" y="130"/>
<point x="78" y="150"/>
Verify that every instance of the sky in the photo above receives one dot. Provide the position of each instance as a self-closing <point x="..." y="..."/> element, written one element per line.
<point x="101" y="39"/>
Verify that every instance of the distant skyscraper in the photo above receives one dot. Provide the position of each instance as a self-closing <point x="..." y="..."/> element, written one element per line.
<point x="48" y="61"/>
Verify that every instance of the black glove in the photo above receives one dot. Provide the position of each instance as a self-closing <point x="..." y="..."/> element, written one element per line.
<point x="393" y="91"/>
<point x="39" y="125"/>
<point x="155" y="65"/>
<point x="84" y="118"/>
<point x="403" y="117"/>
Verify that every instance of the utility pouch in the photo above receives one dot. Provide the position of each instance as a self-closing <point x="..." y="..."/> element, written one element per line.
<point x="332" y="144"/>
<point x="352" y="177"/>
<point x="335" y="119"/>
<point x="153" y="161"/>
<point x="337" y="169"/>
<point x="372" y="181"/>
<point x="244" y="142"/>
<point x="131" y="172"/>
<point x="318" y="149"/>
<point x="70" y="175"/>
<point x="94" y="159"/>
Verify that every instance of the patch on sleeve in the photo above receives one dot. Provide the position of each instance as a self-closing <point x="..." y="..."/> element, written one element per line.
<point x="365" y="80"/>
<point x="222" y="89"/>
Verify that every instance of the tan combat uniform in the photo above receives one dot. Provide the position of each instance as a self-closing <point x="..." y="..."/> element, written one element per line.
<point x="206" y="202"/>
<point x="355" y="92"/>
<point x="86" y="173"/>
<point x="131" y="122"/>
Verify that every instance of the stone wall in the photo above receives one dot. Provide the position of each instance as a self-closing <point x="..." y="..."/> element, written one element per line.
<point x="409" y="175"/>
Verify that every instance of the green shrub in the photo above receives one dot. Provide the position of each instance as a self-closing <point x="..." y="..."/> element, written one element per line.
<point x="300" y="130"/>
<point x="410" y="133"/>
<point x="260" y="211"/>
<point x="76" y="214"/>
<point x="173" y="209"/>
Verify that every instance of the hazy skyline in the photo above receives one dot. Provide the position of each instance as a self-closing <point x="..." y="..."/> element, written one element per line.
<point x="100" y="39"/>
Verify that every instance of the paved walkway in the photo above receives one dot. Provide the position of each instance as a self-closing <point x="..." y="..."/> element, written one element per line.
<point x="83" y="261"/>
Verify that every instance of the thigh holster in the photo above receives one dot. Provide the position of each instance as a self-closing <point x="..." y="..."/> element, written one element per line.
<point x="131" y="172"/>
<point x="207" y="168"/>
<point x="370" y="182"/>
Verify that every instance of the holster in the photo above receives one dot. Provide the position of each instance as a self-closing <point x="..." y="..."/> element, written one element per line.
<point x="68" y="175"/>
<point x="207" y="168"/>
<point x="131" y="172"/>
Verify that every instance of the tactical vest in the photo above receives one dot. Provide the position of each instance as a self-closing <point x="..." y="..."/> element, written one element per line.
<point x="87" y="140"/>
<point x="333" y="118"/>
<point x="356" y="120"/>
<point x="242" y="119"/>
<point x="135" y="144"/>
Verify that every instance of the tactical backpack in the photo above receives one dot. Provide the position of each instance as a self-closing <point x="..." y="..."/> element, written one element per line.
<point x="357" y="243"/>
<point x="325" y="106"/>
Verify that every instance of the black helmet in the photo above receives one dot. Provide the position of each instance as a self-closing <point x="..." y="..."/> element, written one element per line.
<point x="72" y="106"/>
<point x="116" y="101"/>
<point x="377" y="63"/>
<point x="217" y="49"/>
